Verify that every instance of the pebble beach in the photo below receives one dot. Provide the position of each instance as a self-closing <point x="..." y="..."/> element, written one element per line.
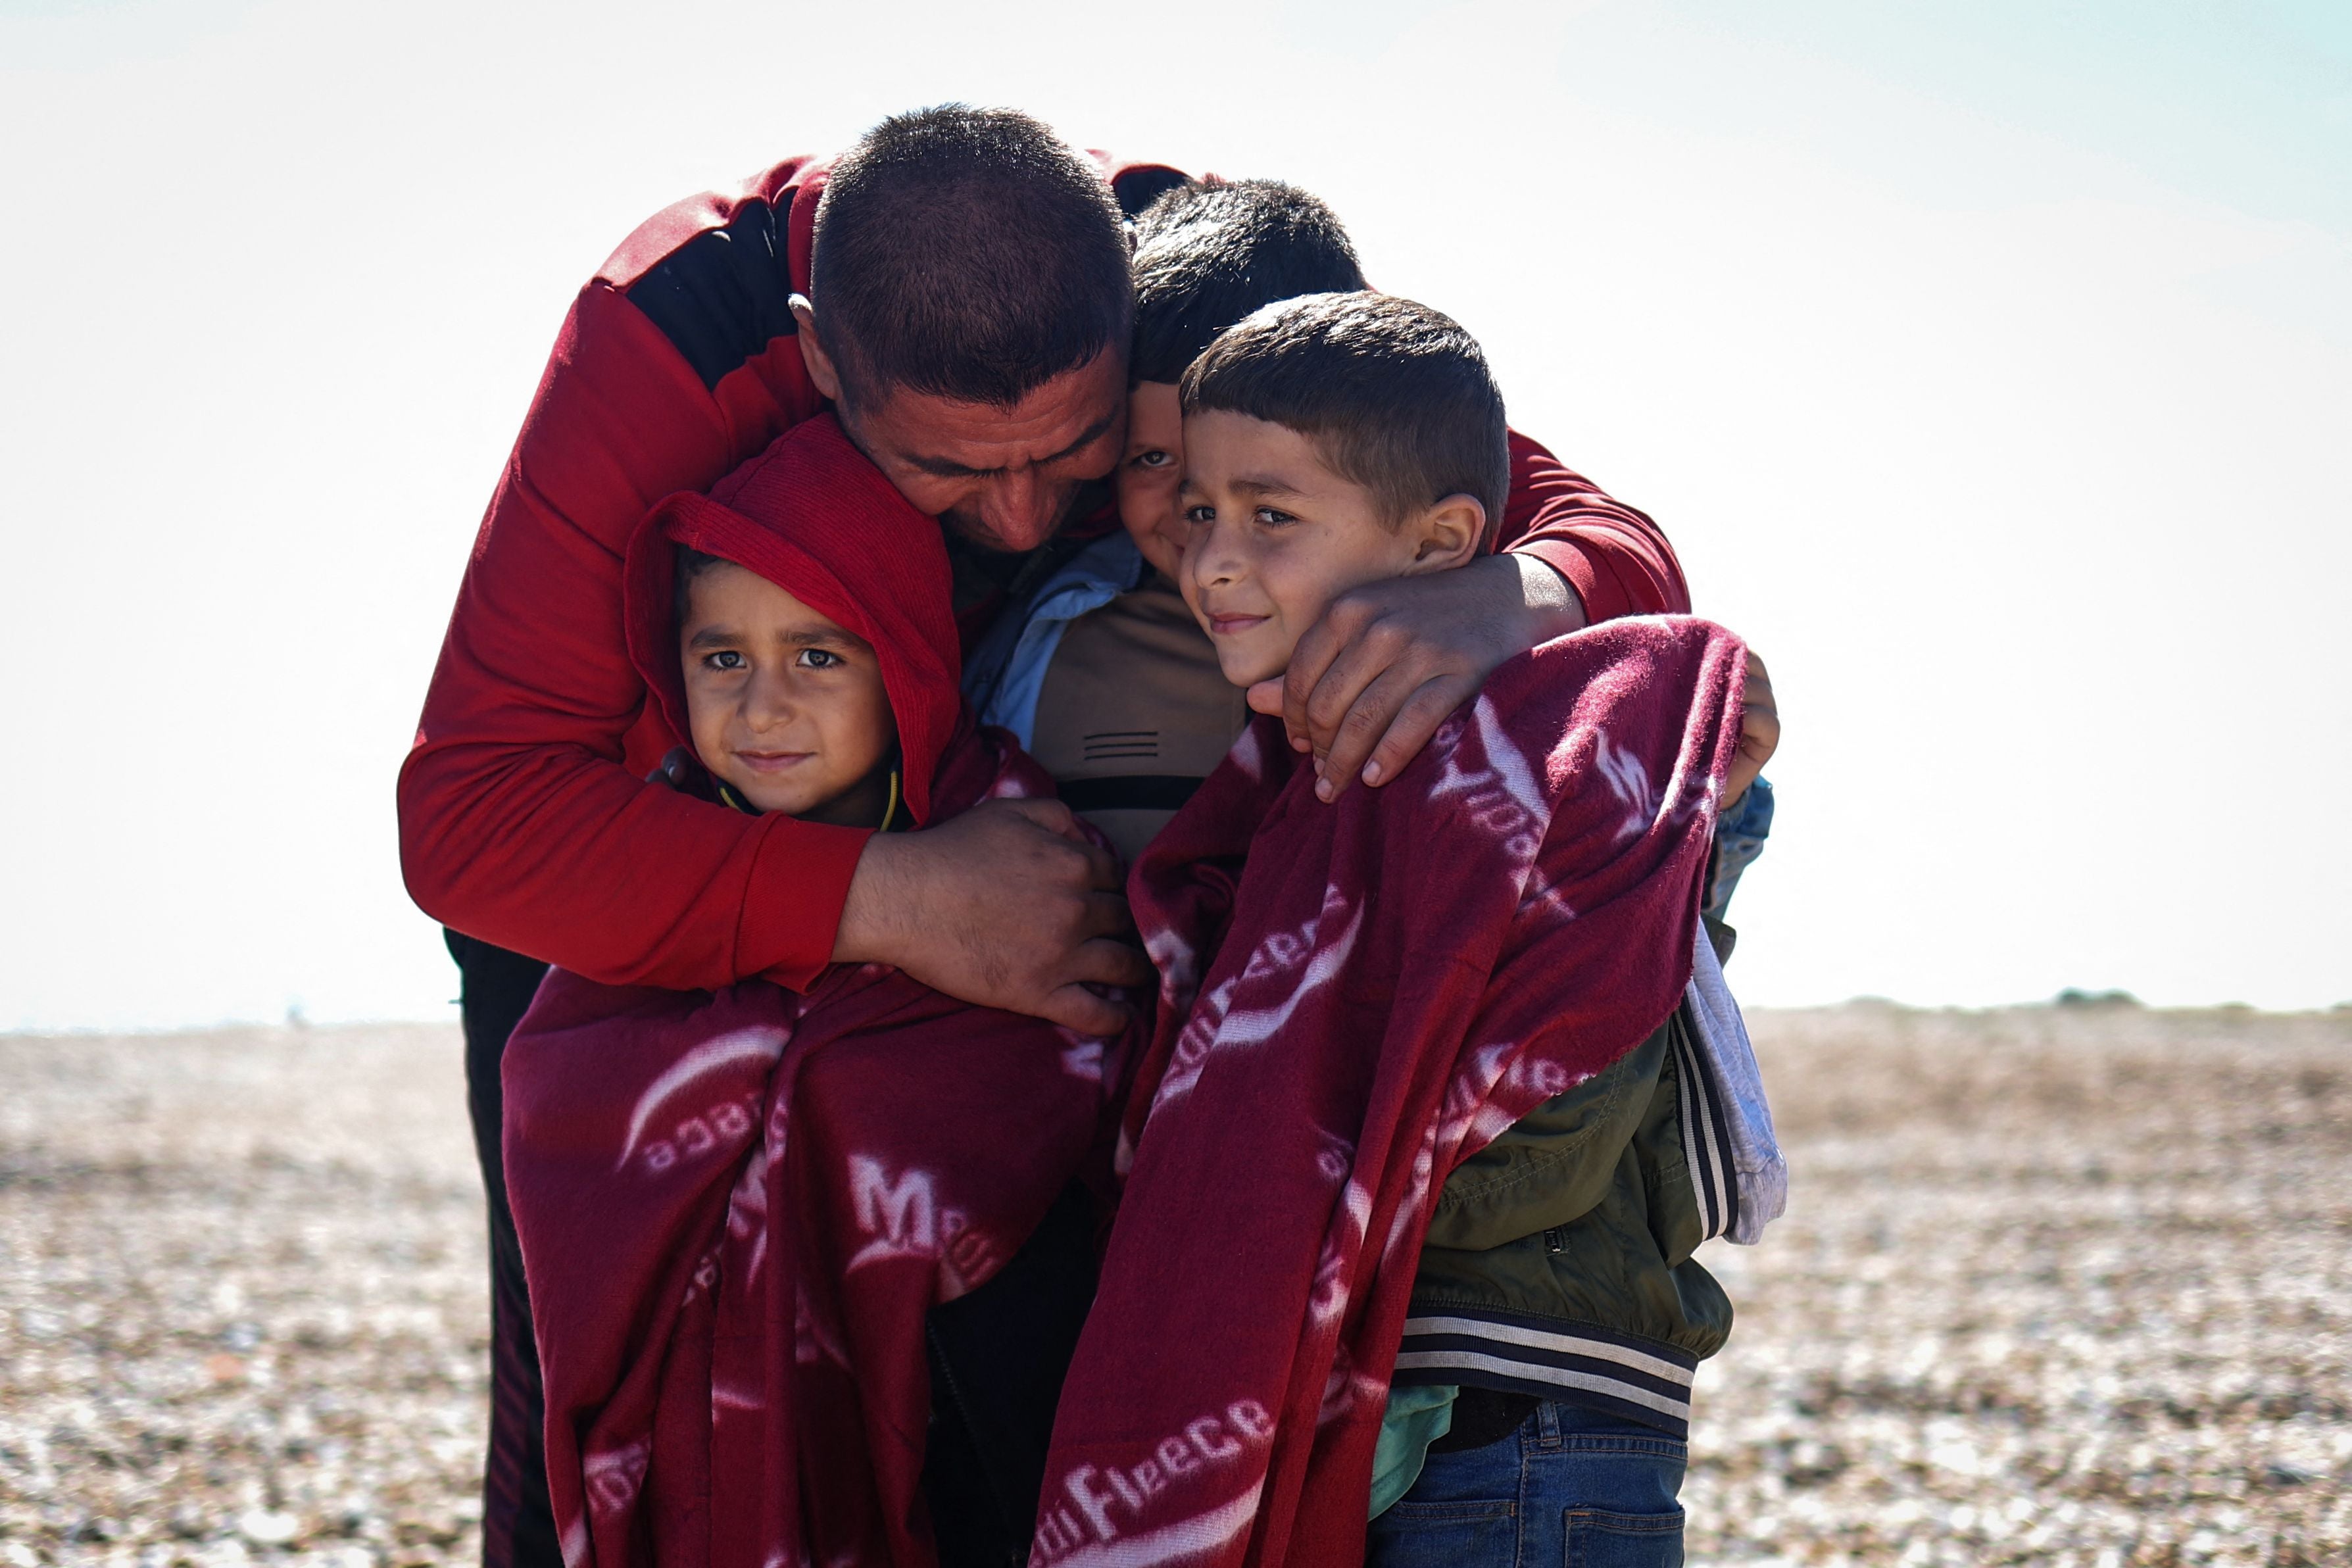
<point x="2067" y="1285"/>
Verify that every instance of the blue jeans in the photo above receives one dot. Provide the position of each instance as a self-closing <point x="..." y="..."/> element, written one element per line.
<point x="1571" y="1489"/>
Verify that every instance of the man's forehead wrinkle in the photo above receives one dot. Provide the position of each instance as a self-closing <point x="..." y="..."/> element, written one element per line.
<point x="1088" y="436"/>
<point x="1017" y="448"/>
<point x="1046" y="422"/>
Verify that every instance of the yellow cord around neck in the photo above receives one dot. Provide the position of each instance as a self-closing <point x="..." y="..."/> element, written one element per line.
<point x="731" y="797"/>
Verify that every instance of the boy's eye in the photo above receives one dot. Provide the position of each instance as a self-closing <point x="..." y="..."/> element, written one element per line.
<point x="818" y="658"/>
<point x="726" y="658"/>
<point x="1155" y="458"/>
<point x="1268" y="517"/>
<point x="1200" y="514"/>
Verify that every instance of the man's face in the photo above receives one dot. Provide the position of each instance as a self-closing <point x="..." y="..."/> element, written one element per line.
<point x="1003" y="478"/>
<point x="1272" y="536"/>
<point x="1150" y="471"/>
<point x="785" y="704"/>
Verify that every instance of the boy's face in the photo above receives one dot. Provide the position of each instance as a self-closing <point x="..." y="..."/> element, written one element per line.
<point x="1272" y="536"/>
<point x="1148" y="473"/>
<point x="785" y="705"/>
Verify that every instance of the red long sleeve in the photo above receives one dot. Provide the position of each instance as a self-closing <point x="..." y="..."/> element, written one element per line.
<point x="1614" y="557"/>
<point x="523" y="819"/>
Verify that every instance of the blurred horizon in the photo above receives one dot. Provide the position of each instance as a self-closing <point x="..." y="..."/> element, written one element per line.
<point x="1982" y="364"/>
<point x="2066" y="1003"/>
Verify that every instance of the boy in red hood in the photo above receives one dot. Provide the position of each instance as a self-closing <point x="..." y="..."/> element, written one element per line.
<point x="739" y="1209"/>
<point x="795" y="627"/>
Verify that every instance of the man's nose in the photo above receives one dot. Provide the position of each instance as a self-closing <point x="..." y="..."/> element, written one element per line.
<point x="1018" y="506"/>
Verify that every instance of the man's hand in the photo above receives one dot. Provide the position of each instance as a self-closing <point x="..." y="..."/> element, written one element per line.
<point x="1759" y="732"/>
<point x="1371" y="680"/>
<point x="1006" y="906"/>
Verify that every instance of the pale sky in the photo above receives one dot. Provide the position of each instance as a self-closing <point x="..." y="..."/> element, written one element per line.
<point x="1991" y="372"/>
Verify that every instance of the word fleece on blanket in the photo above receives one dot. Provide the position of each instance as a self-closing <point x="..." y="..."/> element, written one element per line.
<point x="1354" y="998"/>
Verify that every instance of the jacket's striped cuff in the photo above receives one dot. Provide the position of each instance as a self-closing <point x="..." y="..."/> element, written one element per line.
<point x="1575" y="1363"/>
<point x="1706" y="1134"/>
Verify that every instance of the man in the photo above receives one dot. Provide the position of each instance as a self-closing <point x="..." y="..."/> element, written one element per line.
<point x="955" y="286"/>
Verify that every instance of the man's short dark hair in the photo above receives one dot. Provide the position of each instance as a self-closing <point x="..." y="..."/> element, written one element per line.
<point x="1208" y="253"/>
<point x="969" y="254"/>
<point x="1396" y="396"/>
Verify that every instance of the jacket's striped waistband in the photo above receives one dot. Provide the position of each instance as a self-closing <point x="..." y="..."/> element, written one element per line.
<point x="1641" y="1380"/>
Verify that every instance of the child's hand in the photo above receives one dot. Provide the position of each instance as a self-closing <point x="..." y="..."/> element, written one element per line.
<point x="1759" y="732"/>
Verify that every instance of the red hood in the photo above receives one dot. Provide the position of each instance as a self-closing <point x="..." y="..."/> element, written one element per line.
<point x="814" y="517"/>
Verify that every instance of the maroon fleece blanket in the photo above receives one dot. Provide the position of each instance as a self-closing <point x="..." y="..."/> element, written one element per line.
<point x="735" y="1209"/>
<point x="1388" y="984"/>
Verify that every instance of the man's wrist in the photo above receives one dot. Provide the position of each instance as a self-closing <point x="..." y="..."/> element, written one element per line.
<point x="868" y="931"/>
<point x="1549" y="605"/>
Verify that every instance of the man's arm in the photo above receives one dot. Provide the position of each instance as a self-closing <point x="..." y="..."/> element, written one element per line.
<point x="1371" y="683"/>
<point x="520" y="822"/>
<point x="1614" y="557"/>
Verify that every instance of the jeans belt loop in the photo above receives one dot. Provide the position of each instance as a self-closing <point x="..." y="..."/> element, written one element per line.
<point x="1548" y="1424"/>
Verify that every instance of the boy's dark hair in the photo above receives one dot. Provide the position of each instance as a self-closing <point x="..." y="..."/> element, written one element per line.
<point x="1209" y="253"/>
<point x="1396" y="396"/>
<point x="966" y="253"/>
<point x="691" y="563"/>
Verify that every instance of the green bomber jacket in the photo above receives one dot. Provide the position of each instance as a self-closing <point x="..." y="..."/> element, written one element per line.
<point x="1558" y="1262"/>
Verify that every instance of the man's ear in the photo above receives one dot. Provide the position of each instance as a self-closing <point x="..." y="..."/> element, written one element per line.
<point x="819" y="362"/>
<point x="1448" y="535"/>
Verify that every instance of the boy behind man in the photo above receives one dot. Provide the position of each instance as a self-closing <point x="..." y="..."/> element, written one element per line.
<point x="1540" y="1389"/>
<point x="1106" y="680"/>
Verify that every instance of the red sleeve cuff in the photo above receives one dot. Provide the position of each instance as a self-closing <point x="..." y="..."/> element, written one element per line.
<point x="1563" y="557"/>
<point x="792" y="904"/>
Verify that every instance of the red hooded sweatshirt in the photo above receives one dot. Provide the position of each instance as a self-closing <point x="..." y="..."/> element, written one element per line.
<point x="524" y="819"/>
<point x="814" y="517"/>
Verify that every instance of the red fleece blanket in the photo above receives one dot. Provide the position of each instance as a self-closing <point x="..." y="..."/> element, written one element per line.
<point x="735" y="1209"/>
<point x="1388" y="984"/>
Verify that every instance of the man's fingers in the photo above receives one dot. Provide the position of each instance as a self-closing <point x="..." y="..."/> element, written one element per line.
<point x="1308" y="661"/>
<point x="1076" y="1008"/>
<point x="1105" y="962"/>
<point x="1415" y="724"/>
<point x="1360" y="728"/>
<point x="1742" y="773"/>
<point x="1103" y="875"/>
<point x="1759" y="732"/>
<point x="1105" y="915"/>
<point x="1100" y="962"/>
<point x="1050" y="814"/>
<point x="1265" y="697"/>
<point x="1101" y="866"/>
<point x="1760" y="726"/>
<point x="1359" y="670"/>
